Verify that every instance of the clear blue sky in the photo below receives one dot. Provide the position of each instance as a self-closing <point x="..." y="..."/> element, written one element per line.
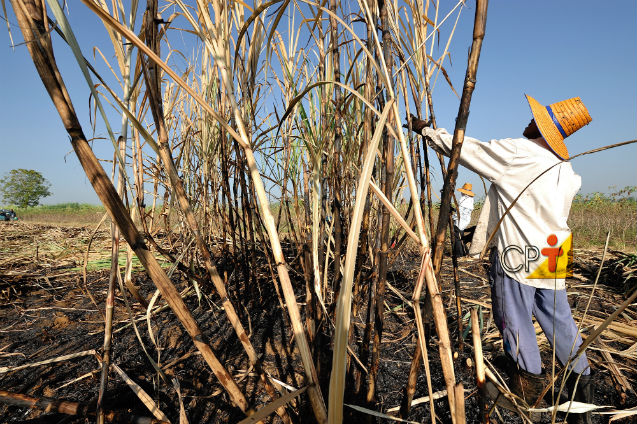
<point x="552" y="50"/>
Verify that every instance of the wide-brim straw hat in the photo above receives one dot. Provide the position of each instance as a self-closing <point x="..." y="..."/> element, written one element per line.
<point x="466" y="189"/>
<point x="558" y="121"/>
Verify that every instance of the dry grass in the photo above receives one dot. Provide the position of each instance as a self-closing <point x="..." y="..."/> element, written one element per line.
<point x="64" y="214"/>
<point x="591" y="218"/>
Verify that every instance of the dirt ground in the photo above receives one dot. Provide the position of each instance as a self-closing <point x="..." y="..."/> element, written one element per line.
<point x="47" y="310"/>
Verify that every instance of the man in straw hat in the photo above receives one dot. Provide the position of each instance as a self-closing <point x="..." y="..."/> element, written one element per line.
<point x="461" y="220"/>
<point x="533" y="252"/>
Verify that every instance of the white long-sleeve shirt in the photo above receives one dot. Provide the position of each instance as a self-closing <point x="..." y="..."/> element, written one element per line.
<point x="538" y="218"/>
<point x="463" y="217"/>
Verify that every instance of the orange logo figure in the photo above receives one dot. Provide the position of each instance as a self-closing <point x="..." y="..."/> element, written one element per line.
<point x="557" y="259"/>
<point x="552" y="252"/>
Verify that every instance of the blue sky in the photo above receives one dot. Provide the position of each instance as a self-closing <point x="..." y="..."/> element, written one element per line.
<point x="552" y="50"/>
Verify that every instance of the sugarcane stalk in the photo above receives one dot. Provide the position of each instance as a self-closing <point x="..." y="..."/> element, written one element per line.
<point x="151" y="75"/>
<point x="108" y="324"/>
<point x="439" y="314"/>
<point x="242" y="138"/>
<point x="338" y="136"/>
<point x="459" y="131"/>
<point x="368" y="130"/>
<point x="456" y="281"/>
<point x="268" y="220"/>
<point x="30" y="17"/>
<point x="421" y="350"/>
<point x="110" y="296"/>
<point x="479" y="361"/>
<point x="388" y="177"/>
<point x="440" y="320"/>
<point x="71" y="408"/>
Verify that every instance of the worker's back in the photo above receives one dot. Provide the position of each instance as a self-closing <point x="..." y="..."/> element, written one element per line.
<point x="538" y="220"/>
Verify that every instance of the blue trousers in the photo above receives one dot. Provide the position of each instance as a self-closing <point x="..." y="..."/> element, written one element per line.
<point x="515" y="304"/>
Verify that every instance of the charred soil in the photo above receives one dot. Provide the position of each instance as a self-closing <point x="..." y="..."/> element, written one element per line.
<point x="48" y="310"/>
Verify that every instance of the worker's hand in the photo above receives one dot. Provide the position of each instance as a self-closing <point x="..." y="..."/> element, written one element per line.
<point x="418" y="124"/>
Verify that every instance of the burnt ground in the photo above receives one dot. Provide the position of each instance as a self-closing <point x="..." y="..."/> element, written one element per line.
<point x="46" y="310"/>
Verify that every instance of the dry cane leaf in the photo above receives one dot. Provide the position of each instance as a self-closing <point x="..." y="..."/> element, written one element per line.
<point x="141" y="394"/>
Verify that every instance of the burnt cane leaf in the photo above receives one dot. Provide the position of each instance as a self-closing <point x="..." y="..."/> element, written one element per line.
<point x="247" y="24"/>
<point x="444" y="72"/>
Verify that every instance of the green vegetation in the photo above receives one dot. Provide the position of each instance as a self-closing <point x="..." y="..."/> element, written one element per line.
<point x="104" y="263"/>
<point x="24" y="187"/>
<point x="72" y="207"/>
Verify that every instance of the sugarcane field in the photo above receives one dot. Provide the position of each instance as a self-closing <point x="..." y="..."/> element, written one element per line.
<point x="228" y="211"/>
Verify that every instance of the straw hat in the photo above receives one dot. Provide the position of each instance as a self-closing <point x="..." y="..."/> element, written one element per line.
<point x="466" y="189"/>
<point x="558" y="121"/>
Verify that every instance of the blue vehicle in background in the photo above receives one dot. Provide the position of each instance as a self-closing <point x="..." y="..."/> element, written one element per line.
<point x="8" y="215"/>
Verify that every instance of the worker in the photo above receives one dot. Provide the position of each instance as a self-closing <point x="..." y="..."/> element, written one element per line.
<point x="533" y="252"/>
<point x="461" y="220"/>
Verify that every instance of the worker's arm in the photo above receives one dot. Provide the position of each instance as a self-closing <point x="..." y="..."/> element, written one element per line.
<point x="489" y="159"/>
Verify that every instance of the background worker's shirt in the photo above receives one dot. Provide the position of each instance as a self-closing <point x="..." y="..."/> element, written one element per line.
<point x="465" y="207"/>
<point x="541" y="211"/>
